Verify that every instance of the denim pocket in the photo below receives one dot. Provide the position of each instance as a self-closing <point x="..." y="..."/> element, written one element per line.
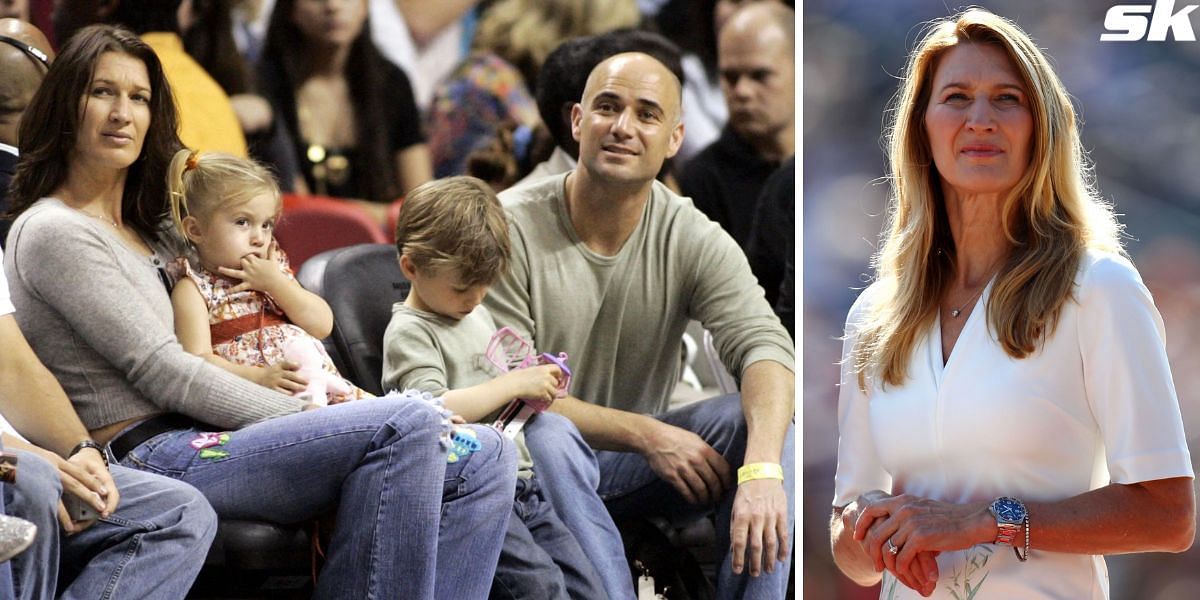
<point x="166" y="454"/>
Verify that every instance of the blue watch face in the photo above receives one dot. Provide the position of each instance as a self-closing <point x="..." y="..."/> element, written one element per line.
<point x="1009" y="510"/>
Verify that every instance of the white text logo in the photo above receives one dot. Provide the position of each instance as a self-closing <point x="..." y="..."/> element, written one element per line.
<point x="1130" y="25"/>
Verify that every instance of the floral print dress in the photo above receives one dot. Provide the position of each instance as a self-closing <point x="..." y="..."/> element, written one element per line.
<point x="247" y="327"/>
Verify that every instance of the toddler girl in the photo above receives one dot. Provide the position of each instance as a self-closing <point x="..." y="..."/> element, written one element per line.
<point x="236" y="302"/>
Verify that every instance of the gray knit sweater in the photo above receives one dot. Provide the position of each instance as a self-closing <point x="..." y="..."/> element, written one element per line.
<point x="99" y="316"/>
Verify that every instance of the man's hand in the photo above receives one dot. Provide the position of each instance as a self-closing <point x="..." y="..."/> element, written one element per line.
<point x="684" y="460"/>
<point x="758" y="529"/>
<point x="85" y="476"/>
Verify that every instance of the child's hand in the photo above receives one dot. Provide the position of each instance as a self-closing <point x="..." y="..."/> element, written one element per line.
<point x="282" y="377"/>
<point x="539" y="384"/>
<point x="261" y="274"/>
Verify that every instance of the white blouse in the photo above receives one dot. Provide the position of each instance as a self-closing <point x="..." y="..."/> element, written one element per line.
<point x="1094" y="405"/>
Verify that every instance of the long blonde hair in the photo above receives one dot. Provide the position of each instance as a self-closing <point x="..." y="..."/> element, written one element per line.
<point x="1051" y="217"/>
<point x="525" y="32"/>
<point x="200" y="183"/>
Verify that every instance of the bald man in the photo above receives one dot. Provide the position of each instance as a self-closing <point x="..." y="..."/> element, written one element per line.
<point x="756" y="62"/>
<point x="25" y="56"/>
<point x="609" y="266"/>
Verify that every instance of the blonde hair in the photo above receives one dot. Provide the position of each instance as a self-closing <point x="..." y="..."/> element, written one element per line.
<point x="456" y="225"/>
<point x="1051" y="217"/>
<point x="200" y="183"/>
<point x="525" y="32"/>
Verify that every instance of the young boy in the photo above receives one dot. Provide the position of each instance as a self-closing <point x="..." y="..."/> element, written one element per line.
<point x="452" y="240"/>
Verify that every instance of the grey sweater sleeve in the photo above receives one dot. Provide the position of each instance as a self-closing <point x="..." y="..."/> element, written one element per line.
<point x="116" y="318"/>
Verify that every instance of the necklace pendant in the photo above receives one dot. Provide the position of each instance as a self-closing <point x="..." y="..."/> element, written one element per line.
<point x="955" y="312"/>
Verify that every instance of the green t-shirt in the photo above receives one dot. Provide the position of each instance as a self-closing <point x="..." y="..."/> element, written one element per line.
<point x="620" y="318"/>
<point x="435" y="354"/>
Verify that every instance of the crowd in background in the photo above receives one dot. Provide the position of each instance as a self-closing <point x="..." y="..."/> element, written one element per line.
<point x="363" y="101"/>
<point x="1138" y="104"/>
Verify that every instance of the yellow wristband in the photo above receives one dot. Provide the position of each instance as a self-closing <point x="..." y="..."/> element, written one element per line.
<point x="759" y="471"/>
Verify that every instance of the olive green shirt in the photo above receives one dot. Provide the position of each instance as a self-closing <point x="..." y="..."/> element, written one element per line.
<point x="621" y="318"/>
<point x="435" y="354"/>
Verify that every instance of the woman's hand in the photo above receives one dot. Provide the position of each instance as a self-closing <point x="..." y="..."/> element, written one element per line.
<point x="922" y="579"/>
<point x="281" y="377"/>
<point x="920" y="529"/>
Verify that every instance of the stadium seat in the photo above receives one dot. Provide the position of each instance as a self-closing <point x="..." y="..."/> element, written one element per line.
<point x="313" y="224"/>
<point x="393" y="216"/>
<point x="360" y="283"/>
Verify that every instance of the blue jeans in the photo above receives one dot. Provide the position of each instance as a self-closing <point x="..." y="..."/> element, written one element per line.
<point x="409" y="525"/>
<point x="630" y="488"/>
<point x="541" y="558"/>
<point x="152" y="546"/>
<point x="569" y="476"/>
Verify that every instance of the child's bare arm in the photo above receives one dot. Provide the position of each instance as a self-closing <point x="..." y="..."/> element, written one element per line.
<point x="191" y="318"/>
<point x="192" y="329"/>
<point x="476" y="402"/>
<point x="304" y="308"/>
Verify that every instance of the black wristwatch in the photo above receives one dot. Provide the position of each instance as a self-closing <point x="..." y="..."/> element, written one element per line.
<point x="94" y="445"/>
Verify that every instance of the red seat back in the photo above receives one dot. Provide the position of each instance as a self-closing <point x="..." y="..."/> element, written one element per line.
<point x="313" y="224"/>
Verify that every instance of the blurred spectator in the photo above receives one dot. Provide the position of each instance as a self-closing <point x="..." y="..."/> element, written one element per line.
<point x="757" y="65"/>
<point x="426" y="39"/>
<point x="207" y="29"/>
<point x="354" y="125"/>
<point x="693" y="25"/>
<point x="24" y="58"/>
<point x="250" y="26"/>
<point x="492" y="85"/>
<point x="14" y="9"/>
<point x="507" y="157"/>
<point x="772" y="244"/>
<point x="561" y="80"/>
<point x="206" y="118"/>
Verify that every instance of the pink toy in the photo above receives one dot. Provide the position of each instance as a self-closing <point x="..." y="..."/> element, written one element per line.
<point x="311" y="357"/>
<point x="509" y="351"/>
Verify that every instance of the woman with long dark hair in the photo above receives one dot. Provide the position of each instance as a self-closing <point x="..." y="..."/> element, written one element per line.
<point x="352" y="117"/>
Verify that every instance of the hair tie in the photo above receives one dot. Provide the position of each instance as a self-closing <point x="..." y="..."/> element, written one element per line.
<point x="193" y="160"/>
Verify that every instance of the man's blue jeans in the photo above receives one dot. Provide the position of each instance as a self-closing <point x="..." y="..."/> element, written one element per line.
<point x="630" y="487"/>
<point x="409" y="525"/>
<point x="152" y="546"/>
<point x="569" y="474"/>
<point x="541" y="557"/>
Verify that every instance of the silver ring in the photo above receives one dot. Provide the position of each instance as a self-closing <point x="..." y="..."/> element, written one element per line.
<point x="892" y="549"/>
